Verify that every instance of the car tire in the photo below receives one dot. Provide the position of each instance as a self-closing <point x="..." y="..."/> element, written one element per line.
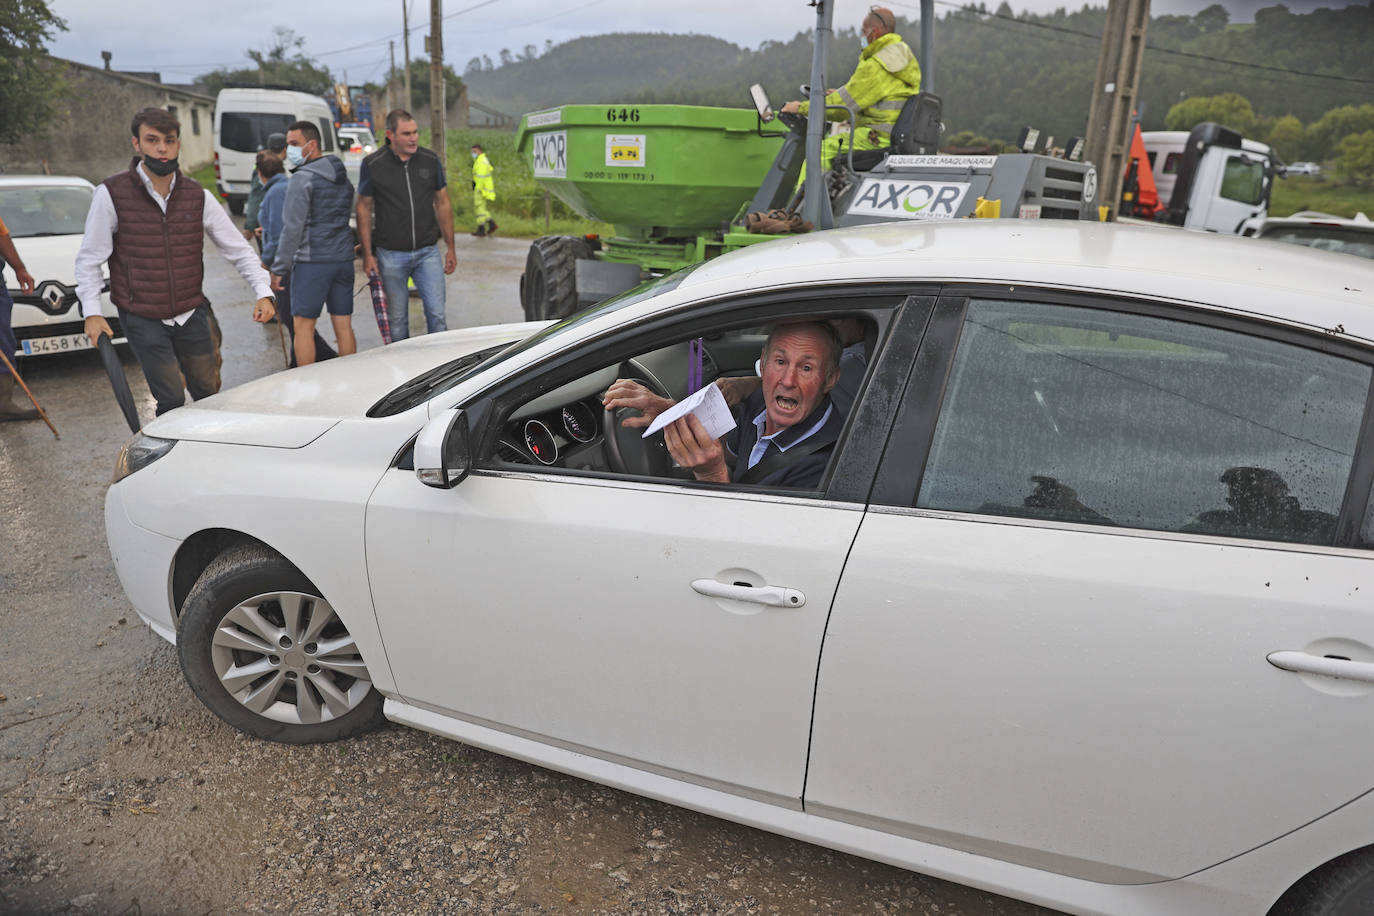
<point x="550" y="284"/>
<point x="1341" y="887"/>
<point x="265" y="652"/>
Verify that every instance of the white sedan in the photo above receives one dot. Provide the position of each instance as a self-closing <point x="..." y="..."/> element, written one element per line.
<point x="1079" y="611"/>
<point x="46" y="215"/>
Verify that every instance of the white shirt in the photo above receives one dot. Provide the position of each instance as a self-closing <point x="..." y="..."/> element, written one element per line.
<point x="98" y="244"/>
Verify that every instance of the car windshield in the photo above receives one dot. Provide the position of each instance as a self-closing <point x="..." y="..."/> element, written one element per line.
<point x="442" y="378"/>
<point x="32" y="211"/>
<point x="1341" y="239"/>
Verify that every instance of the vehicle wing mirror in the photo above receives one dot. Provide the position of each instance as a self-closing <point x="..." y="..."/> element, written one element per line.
<point x="761" y="103"/>
<point x="443" y="452"/>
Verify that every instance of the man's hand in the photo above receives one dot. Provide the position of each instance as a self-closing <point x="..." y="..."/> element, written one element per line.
<point x="25" y="280"/>
<point x="277" y="285"/>
<point x="95" y="326"/>
<point x="736" y="388"/>
<point x="625" y="393"/>
<point x="791" y="108"/>
<point x="247" y="235"/>
<point x="369" y="264"/>
<point x="263" y="310"/>
<point x="450" y="261"/>
<point x="258" y="232"/>
<point x="692" y="448"/>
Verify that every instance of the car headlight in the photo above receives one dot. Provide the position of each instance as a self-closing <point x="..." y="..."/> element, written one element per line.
<point x="138" y="453"/>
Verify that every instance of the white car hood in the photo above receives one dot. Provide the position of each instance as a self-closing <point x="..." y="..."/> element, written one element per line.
<point x="290" y="409"/>
<point x="48" y="257"/>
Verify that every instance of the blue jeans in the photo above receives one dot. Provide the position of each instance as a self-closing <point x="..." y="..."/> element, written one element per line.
<point x="426" y="265"/>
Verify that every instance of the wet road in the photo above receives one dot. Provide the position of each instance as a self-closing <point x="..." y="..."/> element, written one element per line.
<point x="119" y="793"/>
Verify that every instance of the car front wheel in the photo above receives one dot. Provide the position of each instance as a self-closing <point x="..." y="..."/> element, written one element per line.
<point x="1342" y="887"/>
<point x="266" y="653"/>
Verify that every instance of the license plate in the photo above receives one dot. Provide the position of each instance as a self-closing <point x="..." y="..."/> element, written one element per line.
<point x="64" y="343"/>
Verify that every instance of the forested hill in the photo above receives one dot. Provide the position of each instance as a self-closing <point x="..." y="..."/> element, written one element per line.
<point x="996" y="71"/>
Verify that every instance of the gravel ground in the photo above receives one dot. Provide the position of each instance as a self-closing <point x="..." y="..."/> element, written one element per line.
<point x="120" y="794"/>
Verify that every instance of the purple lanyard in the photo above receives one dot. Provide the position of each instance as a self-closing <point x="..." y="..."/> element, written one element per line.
<point x="693" y="365"/>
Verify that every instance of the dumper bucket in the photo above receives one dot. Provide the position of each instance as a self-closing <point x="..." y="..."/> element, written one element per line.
<point x="654" y="171"/>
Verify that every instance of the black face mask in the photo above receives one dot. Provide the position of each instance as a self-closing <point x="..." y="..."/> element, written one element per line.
<point x="158" y="167"/>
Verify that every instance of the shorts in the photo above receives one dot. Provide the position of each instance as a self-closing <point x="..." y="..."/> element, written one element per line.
<point x="314" y="286"/>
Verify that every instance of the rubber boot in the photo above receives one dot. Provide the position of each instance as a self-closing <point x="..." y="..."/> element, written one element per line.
<point x="491" y="226"/>
<point x="481" y="230"/>
<point x="9" y="408"/>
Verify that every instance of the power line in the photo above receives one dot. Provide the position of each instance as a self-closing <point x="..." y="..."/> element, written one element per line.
<point x="1151" y="47"/>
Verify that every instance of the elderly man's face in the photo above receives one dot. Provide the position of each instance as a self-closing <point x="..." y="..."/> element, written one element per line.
<point x="796" y="375"/>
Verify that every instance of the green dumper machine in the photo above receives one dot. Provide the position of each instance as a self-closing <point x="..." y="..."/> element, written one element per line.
<point x="671" y="179"/>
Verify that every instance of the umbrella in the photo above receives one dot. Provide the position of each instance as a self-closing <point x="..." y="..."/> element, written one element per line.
<point x="115" y="370"/>
<point x="374" y="283"/>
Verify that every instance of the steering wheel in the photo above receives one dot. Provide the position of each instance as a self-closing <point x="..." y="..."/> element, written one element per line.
<point x="627" y="451"/>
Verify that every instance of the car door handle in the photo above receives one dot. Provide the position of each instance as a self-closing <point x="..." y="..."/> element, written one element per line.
<point x="1306" y="663"/>
<point x="771" y="595"/>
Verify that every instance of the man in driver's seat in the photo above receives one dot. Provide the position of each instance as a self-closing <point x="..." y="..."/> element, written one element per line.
<point x="784" y="430"/>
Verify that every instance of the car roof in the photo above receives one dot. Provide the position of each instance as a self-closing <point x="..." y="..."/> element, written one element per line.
<point x="1310" y="217"/>
<point x="1289" y="283"/>
<point x="43" y="181"/>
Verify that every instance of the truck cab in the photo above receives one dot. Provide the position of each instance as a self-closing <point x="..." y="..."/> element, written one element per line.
<point x="1210" y="178"/>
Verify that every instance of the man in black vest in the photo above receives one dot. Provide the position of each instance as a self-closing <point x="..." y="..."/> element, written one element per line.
<point x="403" y="185"/>
<point x="150" y="223"/>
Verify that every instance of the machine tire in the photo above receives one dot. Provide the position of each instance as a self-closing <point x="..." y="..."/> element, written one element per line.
<point x="250" y="621"/>
<point x="1341" y="887"/>
<point x="549" y="287"/>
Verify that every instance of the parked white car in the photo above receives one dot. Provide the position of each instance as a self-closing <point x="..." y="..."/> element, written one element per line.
<point x="1079" y="613"/>
<point x="1304" y="168"/>
<point x="46" y="216"/>
<point x="1323" y="232"/>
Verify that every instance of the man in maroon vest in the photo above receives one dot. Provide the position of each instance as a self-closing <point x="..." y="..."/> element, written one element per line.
<point x="150" y="222"/>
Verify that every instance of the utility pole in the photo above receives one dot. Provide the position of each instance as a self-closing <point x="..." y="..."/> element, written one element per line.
<point x="927" y="60"/>
<point x="390" y="81"/>
<point x="437" y="127"/>
<point x="1114" y="97"/>
<point x="405" y="32"/>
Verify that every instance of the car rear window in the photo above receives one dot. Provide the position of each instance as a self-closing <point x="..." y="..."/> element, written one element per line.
<point x="247" y="131"/>
<point x="1341" y="239"/>
<point x="35" y="211"/>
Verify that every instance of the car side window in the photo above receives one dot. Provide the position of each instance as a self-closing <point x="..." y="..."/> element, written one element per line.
<point x="565" y="425"/>
<point x="1082" y="415"/>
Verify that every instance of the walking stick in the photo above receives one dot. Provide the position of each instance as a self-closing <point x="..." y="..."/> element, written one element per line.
<point x="281" y="332"/>
<point x="41" y="412"/>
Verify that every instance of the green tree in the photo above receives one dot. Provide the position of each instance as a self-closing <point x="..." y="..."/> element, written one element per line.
<point x="31" y="83"/>
<point x="1355" y="160"/>
<point x="1212" y="19"/>
<point x="1288" y="138"/>
<point x="1337" y="124"/>
<point x="1229" y="109"/>
<point x="282" y="63"/>
<point x="419" y="84"/>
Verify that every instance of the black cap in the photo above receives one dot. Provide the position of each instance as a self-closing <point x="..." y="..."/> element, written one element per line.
<point x="276" y="142"/>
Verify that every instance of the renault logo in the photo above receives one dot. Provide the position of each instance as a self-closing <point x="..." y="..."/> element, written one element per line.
<point x="52" y="294"/>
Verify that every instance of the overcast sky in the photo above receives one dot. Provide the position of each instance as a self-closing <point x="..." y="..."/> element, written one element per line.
<point x="193" y="43"/>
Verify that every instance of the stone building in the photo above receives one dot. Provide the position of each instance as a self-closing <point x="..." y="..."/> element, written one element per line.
<point x="91" y="137"/>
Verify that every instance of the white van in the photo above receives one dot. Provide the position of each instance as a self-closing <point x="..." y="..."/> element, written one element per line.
<point x="245" y="118"/>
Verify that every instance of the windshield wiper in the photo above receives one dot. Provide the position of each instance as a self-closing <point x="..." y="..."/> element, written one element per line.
<point x="429" y="383"/>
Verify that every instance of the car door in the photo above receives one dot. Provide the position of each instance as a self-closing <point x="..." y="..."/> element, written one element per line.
<point x="621" y="616"/>
<point x="1054" y="642"/>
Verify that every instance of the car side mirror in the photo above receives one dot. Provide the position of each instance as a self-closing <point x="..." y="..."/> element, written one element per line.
<point x="761" y="103"/>
<point x="443" y="452"/>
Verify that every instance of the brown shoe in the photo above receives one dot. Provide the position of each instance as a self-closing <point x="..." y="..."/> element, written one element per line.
<point x="9" y="410"/>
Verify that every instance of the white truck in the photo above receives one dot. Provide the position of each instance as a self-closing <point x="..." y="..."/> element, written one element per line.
<point x="1210" y="178"/>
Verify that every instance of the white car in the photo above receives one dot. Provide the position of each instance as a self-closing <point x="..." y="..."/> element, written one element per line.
<point x="357" y="140"/>
<point x="46" y="217"/>
<point x="1322" y="231"/>
<point x="1303" y="168"/>
<point x="1082" y="611"/>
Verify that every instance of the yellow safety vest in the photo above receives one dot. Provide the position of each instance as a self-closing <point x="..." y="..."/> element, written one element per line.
<point x="887" y="75"/>
<point x="481" y="176"/>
